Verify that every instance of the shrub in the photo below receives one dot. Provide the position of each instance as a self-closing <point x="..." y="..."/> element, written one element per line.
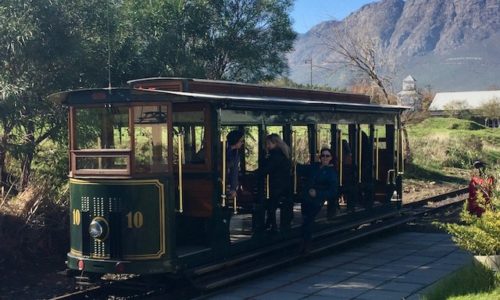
<point x="479" y="235"/>
<point x="462" y="152"/>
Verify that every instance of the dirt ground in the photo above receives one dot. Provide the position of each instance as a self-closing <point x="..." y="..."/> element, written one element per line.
<point x="417" y="189"/>
<point x="38" y="280"/>
<point x="43" y="278"/>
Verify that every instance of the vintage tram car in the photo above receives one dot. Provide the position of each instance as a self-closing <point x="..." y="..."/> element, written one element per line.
<point x="147" y="167"/>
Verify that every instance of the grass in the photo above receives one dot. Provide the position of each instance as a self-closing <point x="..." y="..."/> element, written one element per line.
<point x="449" y="127"/>
<point x="472" y="282"/>
<point x="439" y="143"/>
<point x="429" y="173"/>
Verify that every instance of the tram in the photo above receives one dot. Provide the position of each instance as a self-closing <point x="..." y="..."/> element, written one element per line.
<point x="147" y="168"/>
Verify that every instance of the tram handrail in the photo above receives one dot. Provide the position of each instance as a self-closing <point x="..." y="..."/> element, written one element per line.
<point x="180" y="148"/>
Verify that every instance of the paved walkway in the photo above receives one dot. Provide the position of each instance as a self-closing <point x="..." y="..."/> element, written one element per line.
<point x="395" y="267"/>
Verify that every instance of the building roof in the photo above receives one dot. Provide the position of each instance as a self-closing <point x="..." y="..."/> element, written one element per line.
<point x="409" y="78"/>
<point x="471" y="99"/>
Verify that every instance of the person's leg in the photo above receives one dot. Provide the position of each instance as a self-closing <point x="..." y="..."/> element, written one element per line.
<point x="286" y="213"/>
<point x="307" y="219"/>
<point x="271" y="214"/>
<point x="310" y="210"/>
<point x="333" y="206"/>
<point x="349" y="198"/>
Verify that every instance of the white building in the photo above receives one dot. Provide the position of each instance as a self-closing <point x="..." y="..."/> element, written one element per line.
<point x="466" y="100"/>
<point x="409" y="95"/>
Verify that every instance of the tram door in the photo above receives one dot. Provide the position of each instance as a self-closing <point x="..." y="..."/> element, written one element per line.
<point x="243" y="206"/>
<point x="192" y="159"/>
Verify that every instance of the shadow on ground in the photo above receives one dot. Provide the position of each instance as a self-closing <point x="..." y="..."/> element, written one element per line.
<point x="417" y="172"/>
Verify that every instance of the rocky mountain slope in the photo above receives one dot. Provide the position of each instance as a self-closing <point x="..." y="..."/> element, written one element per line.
<point x="451" y="45"/>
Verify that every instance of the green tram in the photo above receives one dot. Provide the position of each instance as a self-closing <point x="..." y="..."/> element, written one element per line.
<point x="147" y="169"/>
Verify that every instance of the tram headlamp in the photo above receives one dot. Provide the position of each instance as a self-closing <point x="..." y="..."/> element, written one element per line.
<point x="98" y="228"/>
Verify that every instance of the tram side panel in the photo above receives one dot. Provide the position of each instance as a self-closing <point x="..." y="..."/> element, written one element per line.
<point x="119" y="226"/>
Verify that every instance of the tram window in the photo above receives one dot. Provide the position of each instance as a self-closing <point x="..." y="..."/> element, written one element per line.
<point x="102" y="128"/>
<point x="275" y="129"/>
<point x="118" y="162"/>
<point x="151" y="138"/>
<point x="191" y="124"/>
<point x="301" y="144"/>
<point x="251" y="148"/>
<point x="324" y="136"/>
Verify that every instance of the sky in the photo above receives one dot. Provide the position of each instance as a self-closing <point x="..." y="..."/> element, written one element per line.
<point x="307" y="13"/>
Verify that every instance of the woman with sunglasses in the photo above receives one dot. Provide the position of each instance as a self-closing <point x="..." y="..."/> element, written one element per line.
<point x="322" y="185"/>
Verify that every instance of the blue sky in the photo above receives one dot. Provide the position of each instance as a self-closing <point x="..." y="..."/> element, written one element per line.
<point x="307" y="13"/>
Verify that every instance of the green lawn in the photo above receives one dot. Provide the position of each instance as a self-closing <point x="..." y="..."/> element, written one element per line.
<point x="472" y="282"/>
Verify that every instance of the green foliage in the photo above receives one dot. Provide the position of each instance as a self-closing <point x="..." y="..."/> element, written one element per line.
<point x="472" y="282"/>
<point x="490" y="109"/>
<point x="458" y="109"/>
<point x="49" y="46"/>
<point x="479" y="235"/>
<point x="243" y="40"/>
<point x="450" y="142"/>
<point x="462" y="152"/>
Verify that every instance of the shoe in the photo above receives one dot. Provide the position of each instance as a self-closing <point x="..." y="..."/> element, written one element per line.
<point x="305" y="247"/>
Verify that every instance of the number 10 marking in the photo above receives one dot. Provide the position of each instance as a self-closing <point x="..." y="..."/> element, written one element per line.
<point x="135" y="220"/>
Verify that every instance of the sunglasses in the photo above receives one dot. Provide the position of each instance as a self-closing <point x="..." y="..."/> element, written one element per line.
<point x="325" y="155"/>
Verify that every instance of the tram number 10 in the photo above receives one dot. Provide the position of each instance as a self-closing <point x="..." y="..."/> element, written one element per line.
<point x="135" y="219"/>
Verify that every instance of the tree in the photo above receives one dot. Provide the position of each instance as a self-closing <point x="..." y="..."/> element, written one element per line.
<point x="244" y="40"/>
<point x="48" y="46"/>
<point x="44" y="44"/>
<point x="458" y="109"/>
<point x="362" y="54"/>
<point x="490" y="109"/>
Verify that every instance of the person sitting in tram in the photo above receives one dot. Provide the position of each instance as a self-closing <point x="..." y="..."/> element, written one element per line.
<point x="322" y="185"/>
<point x="235" y="141"/>
<point x="278" y="166"/>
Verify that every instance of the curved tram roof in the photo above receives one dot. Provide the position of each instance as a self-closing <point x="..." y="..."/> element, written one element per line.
<point x="134" y="95"/>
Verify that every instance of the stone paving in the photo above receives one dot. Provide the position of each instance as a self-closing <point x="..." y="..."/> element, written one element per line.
<point x="395" y="267"/>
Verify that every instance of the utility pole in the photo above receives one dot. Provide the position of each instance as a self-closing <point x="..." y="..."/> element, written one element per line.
<point x="310" y="62"/>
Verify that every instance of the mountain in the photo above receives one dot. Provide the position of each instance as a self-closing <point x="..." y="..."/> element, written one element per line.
<point x="449" y="45"/>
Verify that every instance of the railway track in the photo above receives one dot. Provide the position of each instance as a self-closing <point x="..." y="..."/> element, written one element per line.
<point x="205" y="279"/>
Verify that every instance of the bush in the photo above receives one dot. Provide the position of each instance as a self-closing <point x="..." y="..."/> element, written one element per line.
<point x="479" y="235"/>
<point x="462" y="152"/>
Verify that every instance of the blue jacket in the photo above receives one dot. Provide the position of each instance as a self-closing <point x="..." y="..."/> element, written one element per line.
<point x="323" y="179"/>
<point x="233" y="168"/>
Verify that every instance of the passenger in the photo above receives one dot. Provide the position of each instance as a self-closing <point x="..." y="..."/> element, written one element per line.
<point x="277" y="165"/>
<point x="322" y="185"/>
<point x="235" y="140"/>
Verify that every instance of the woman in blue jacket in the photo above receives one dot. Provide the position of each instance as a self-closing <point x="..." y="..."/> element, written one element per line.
<point x="322" y="185"/>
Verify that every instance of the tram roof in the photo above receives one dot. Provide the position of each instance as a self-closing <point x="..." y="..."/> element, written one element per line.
<point x="134" y="95"/>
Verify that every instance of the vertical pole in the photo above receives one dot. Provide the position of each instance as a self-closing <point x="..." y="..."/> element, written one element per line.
<point x="224" y="169"/>
<point x="340" y="157"/>
<point x="360" y="149"/>
<point x="267" y="187"/>
<point x="181" y="159"/>
<point x="294" y="145"/>
<point x="376" y="154"/>
<point x="396" y="131"/>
